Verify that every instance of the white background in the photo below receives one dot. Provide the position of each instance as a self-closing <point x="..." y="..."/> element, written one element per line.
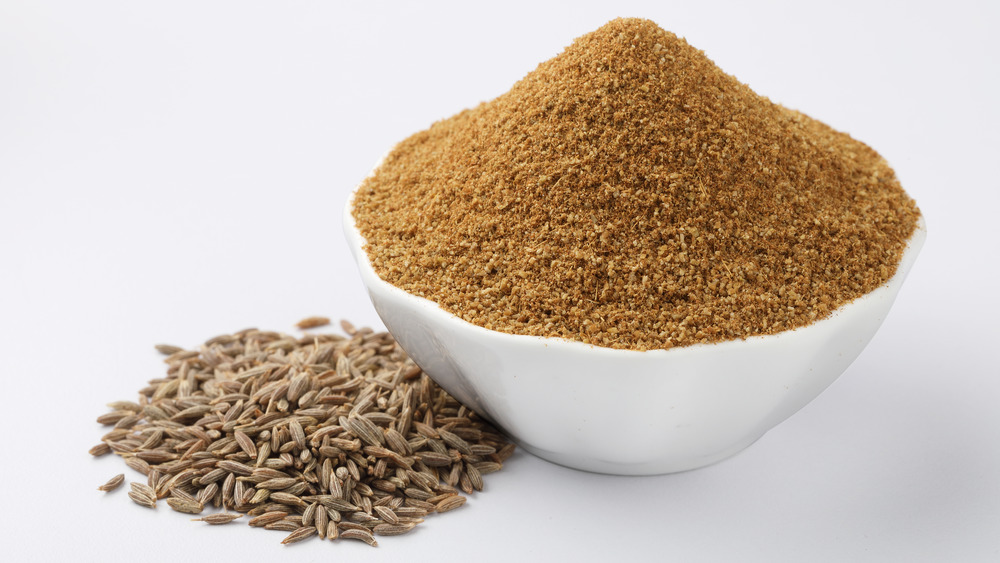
<point x="173" y="170"/>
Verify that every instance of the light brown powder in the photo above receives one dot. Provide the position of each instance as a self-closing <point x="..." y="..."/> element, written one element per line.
<point x="629" y="194"/>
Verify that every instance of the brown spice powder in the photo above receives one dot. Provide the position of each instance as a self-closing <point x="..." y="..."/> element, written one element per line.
<point x="629" y="194"/>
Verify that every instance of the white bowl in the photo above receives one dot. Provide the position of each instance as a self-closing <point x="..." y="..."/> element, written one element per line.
<point x="628" y="412"/>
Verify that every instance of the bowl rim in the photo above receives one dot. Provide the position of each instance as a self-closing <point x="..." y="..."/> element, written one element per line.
<point x="357" y="242"/>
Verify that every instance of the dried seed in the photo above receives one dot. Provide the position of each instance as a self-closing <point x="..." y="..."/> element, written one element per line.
<point x="348" y="525"/>
<point x="285" y="498"/>
<point x="386" y="514"/>
<point x="114" y="417"/>
<point x="100" y="449"/>
<point x="256" y="496"/>
<point x="212" y="476"/>
<point x="454" y="441"/>
<point x="475" y="477"/>
<point x="487" y="467"/>
<point x="366" y="430"/>
<point x="397" y="442"/>
<point x="393" y="529"/>
<point x="125" y="405"/>
<point x="192" y="412"/>
<point x="228" y="490"/>
<point x="143" y="489"/>
<point x="218" y="518"/>
<point x="450" y="503"/>
<point x="312" y="322"/>
<point x="282" y="525"/>
<point x="362" y="535"/>
<point x="167" y="349"/>
<point x="416" y="493"/>
<point x="113" y="483"/>
<point x="321" y="521"/>
<point x="506" y="451"/>
<point x="137" y="464"/>
<point x="278" y="483"/>
<point x="154" y="478"/>
<point x="410" y="511"/>
<point x="245" y="443"/>
<point x="298" y="434"/>
<point x="156" y="456"/>
<point x="188" y="506"/>
<point x="305" y="532"/>
<point x="334" y="515"/>
<point x="153" y="440"/>
<point x="142" y="500"/>
<point x="181" y="479"/>
<point x="438" y="498"/>
<point x="235" y="467"/>
<point x="434" y="459"/>
<point x="454" y="475"/>
<point x="425" y="430"/>
<point x="309" y="513"/>
<point x="465" y="483"/>
<point x="263" y="453"/>
<point x="267" y="518"/>
<point x="262" y="474"/>
<point x="208" y="493"/>
<point x="482" y="449"/>
<point x="422" y="504"/>
<point x="182" y="494"/>
<point x="153" y="412"/>
<point x="410" y="520"/>
<point x="338" y="504"/>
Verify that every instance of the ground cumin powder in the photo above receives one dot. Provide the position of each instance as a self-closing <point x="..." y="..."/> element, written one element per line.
<point x="630" y="194"/>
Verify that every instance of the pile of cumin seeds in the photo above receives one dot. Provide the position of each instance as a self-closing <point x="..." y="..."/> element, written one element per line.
<point x="324" y="435"/>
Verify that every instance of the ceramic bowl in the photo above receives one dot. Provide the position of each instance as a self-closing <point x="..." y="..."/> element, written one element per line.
<point x="628" y="412"/>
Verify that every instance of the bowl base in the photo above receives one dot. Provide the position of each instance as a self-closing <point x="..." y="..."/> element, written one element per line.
<point x="610" y="467"/>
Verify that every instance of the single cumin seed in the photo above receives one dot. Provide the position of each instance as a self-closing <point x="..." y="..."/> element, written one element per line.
<point x="312" y="322"/>
<point x="218" y="518"/>
<point x="113" y="483"/>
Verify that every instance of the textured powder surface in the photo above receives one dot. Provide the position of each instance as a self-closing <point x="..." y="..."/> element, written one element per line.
<point x="629" y="194"/>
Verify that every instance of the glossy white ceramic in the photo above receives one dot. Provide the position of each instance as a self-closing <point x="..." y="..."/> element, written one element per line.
<point x="627" y="412"/>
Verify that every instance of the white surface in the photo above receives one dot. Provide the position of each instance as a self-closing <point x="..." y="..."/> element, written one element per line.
<point x="668" y="410"/>
<point x="170" y="171"/>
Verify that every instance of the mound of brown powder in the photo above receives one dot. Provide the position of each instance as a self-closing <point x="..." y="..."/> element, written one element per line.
<point x="629" y="194"/>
